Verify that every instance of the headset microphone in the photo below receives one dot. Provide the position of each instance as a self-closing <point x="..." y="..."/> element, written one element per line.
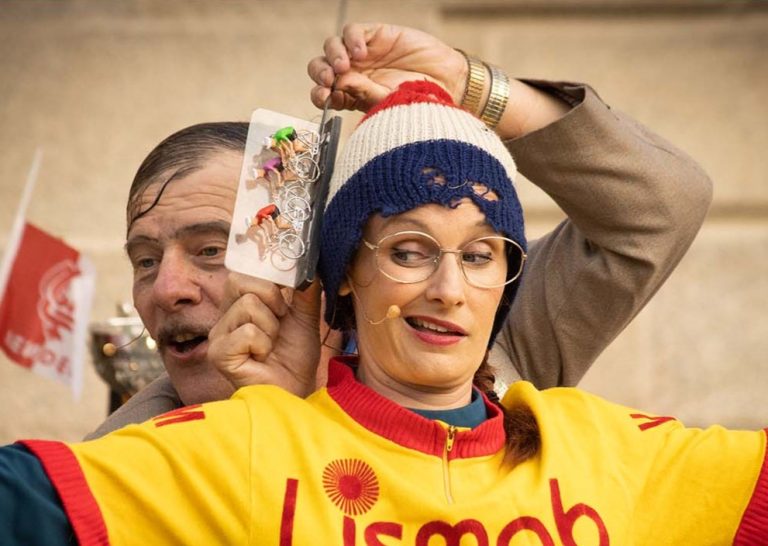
<point x="393" y="311"/>
<point x="110" y="349"/>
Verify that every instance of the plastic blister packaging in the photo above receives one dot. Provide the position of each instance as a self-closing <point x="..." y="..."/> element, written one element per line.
<point x="281" y="198"/>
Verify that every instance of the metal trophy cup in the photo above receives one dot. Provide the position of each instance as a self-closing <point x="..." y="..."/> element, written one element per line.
<point x="124" y="355"/>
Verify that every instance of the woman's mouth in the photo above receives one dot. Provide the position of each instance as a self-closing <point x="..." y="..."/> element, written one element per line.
<point x="435" y="332"/>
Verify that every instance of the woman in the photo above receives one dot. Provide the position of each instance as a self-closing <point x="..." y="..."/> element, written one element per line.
<point x="423" y="242"/>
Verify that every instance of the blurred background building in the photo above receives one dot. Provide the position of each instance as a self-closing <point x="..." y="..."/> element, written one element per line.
<point x="98" y="83"/>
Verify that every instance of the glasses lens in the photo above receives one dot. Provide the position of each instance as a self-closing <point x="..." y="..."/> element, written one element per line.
<point x="487" y="262"/>
<point x="516" y="257"/>
<point x="407" y="256"/>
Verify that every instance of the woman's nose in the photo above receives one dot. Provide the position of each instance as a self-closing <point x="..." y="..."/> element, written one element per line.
<point x="447" y="283"/>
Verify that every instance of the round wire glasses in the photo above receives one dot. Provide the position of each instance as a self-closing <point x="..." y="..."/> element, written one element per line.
<point x="413" y="256"/>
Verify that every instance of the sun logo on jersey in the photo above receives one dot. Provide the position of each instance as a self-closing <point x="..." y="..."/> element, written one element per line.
<point x="351" y="485"/>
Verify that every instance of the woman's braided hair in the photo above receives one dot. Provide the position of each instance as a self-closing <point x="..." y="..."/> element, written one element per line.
<point x="522" y="432"/>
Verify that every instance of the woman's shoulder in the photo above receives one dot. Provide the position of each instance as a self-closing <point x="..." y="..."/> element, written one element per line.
<point x="575" y="408"/>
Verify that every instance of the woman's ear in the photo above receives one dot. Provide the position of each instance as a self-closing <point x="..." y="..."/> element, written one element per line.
<point x="345" y="288"/>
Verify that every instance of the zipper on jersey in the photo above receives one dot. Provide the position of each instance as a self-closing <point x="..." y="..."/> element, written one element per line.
<point x="449" y="439"/>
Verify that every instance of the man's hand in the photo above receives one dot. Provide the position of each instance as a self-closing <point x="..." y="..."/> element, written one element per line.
<point x="370" y="60"/>
<point x="263" y="338"/>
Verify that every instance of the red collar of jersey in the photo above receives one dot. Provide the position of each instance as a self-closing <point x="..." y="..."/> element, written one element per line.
<point x="385" y="418"/>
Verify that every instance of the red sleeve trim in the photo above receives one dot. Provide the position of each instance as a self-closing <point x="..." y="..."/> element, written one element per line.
<point x="754" y="523"/>
<point x="67" y="477"/>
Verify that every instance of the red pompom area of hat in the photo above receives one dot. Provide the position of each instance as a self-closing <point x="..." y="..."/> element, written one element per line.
<point x="411" y="93"/>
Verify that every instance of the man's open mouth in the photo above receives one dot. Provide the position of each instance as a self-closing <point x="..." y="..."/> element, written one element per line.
<point x="185" y="343"/>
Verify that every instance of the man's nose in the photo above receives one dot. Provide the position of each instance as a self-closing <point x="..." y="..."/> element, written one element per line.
<point x="447" y="284"/>
<point x="177" y="282"/>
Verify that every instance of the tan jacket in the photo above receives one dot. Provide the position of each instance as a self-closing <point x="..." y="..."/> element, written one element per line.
<point x="634" y="204"/>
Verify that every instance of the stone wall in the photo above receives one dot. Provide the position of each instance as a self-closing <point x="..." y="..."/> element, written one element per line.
<point x="98" y="84"/>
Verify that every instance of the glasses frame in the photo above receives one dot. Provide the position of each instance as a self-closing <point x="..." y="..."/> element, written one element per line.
<point x="457" y="252"/>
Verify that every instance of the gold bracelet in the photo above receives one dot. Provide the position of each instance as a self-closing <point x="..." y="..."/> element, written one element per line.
<point x="497" y="100"/>
<point x="473" y="89"/>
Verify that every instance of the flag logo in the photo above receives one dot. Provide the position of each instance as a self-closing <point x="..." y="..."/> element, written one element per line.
<point x="55" y="306"/>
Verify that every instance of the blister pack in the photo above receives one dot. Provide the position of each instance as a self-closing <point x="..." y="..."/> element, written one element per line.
<point x="281" y="198"/>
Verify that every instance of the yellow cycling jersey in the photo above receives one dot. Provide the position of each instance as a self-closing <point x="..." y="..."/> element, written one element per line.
<point x="349" y="467"/>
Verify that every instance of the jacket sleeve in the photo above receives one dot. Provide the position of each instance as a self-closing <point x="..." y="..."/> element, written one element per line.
<point x="30" y="510"/>
<point x="657" y="481"/>
<point x="149" y="483"/>
<point x="703" y="487"/>
<point x="156" y="398"/>
<point x="634" y="204"/>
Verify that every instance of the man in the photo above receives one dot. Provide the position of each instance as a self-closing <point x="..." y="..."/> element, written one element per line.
<point x="634" y="204"/>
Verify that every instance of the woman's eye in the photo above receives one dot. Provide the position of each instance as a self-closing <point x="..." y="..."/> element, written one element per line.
<point x="477" y="258"/>
<point x="408" y="257"/>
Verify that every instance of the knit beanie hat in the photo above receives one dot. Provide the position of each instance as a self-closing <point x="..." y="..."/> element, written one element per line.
<point x="414" y="148"/>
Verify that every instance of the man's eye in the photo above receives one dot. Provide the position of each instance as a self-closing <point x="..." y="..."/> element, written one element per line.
<point x="210" y="251"/>
<point x="145" y="263"/>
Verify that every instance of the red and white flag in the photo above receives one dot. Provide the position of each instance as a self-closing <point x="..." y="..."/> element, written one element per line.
<point x="46" y="289"/>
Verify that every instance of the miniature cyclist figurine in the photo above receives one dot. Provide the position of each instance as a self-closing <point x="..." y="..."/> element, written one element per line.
<point x="264" y="226"/>
<point x="285" y="142"/>
<point x="274" y="167"/>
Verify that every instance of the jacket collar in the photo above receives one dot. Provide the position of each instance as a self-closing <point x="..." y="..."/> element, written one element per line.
<point x="386" y="418"/>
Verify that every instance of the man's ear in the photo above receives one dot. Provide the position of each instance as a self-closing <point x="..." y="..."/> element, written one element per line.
<point x="345" y="288"/>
